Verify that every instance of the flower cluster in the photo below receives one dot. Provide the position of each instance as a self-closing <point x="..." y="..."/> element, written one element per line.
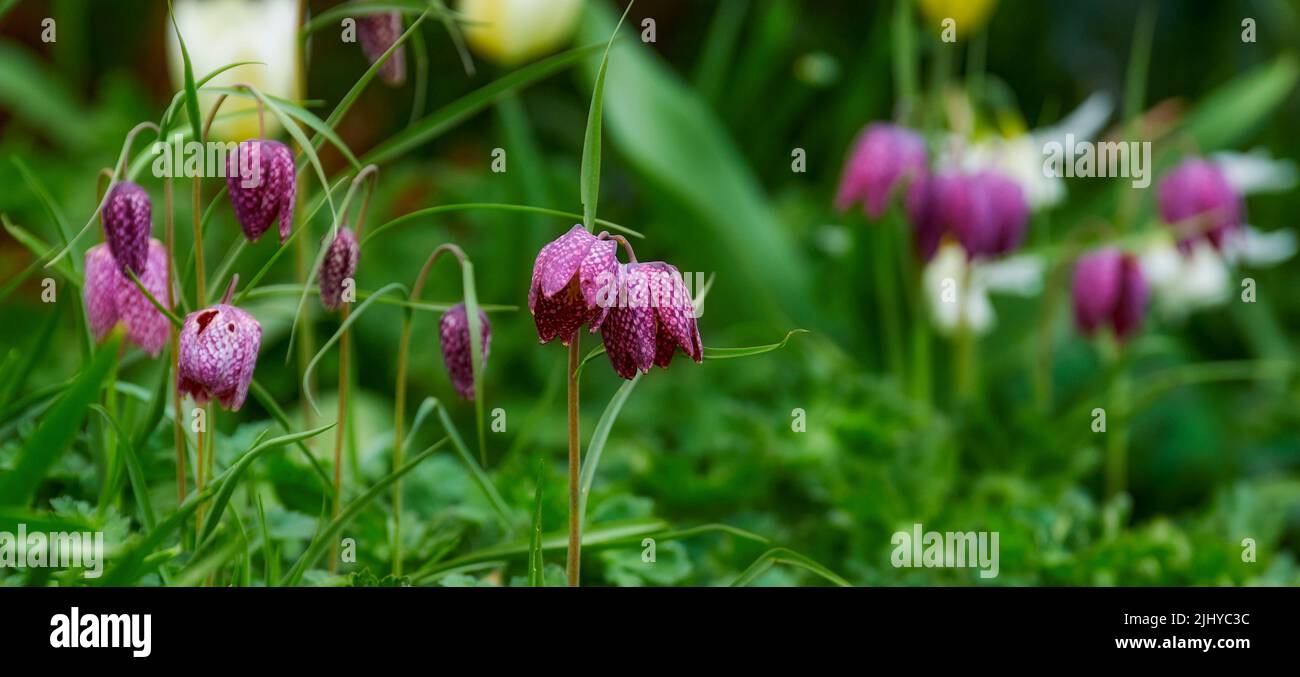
<point x="643" y="311"/>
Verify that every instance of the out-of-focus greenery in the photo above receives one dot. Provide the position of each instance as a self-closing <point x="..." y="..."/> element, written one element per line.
<point x="699" y="130"/>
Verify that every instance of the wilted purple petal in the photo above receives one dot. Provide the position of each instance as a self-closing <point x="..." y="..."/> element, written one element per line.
<point x="218" y="353"/>
<point x="127" y="225"/>
<point x="378" y="32"/>
<point x="339" y="265"/>
<point x="453" y="332"/>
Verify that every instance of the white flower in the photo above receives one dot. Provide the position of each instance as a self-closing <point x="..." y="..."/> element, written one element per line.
<point x="513" y="31"/>
<point x="1256" y="171"/>
<point x="945" y="275"/>
<point x="221" y="32"/>
<point x="1183" y="284"/>
<point x="1020" y="157"/>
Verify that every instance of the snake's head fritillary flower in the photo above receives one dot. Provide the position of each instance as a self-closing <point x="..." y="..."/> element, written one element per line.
<point x="884" y="157"/>
<point x="927" y="211"/>
<point x="339" y="265"/>
<point x="127" y="225"/>
<point x="1197" y="199"/>
<point x="453" y="332"/>
<point x="111" y="297"/>
<point x="261" y="179"/>
<point x="218" y="352"/>
<point x="654" y="315"/>
<point x="1109" y="290"/>
<point x="378" y="32"/>
<point x="1009" y="211"/>
<point x="569" y="275"/>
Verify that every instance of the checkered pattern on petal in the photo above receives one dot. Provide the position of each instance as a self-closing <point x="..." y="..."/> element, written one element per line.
<point x="453" y="333"/>
<point x="340" y="263"/>
<point x="218" y="353"/>
<point x="127" y="225"/>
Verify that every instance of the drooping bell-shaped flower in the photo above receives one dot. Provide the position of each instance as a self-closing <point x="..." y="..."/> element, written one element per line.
<point x="1197" y="199"/>
<point x="453" y="332"/>
<point x="884" y="158"/>
<point x="261" y="180"/>
<point x="987" y="213"/>
<point x="339" y="265"/>
<point x="111" y="297"/>
<point x="218" y="352"/>
<point x="378" y="32"/>
<point x="568" y="276"/>
<point x="1109" y="290"/>
<point x="652" y="317"/>
<point x="127" y="225"/>
<point x="926" y="210"/>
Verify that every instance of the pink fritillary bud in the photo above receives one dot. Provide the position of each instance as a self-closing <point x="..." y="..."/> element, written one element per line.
<point x="1109" y="289"/>
<point x="378" y="32"/>
<point x="127" y="225"/>
<point x="569" y="277"/>
<point x="883" y="157"/>
<point x="453" y="331"/>
<point x="218" y="352"/>
<point x="261" y="180"/>
<point x="1197" y="200"/>
<point x="926" y="210"/>
<point x="340" y="264"/>
<point x="113" y="298"/>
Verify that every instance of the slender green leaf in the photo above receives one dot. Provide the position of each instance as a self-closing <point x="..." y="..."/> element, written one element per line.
<point x="488" y="206"/>
<point x="589" y="187"/>
<point x="134" y="472"/>
<point x="191" y="89"/>
<point x="352" y="317"/>
<point x="597" y="445"/>
<point x="786" y="556"/>
<point x="535" y="564"/>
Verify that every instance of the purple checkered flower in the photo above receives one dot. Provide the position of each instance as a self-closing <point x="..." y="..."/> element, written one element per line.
<point x="653" y="316"/>
<point x="218" y="352"/>
<point x="111" y="297"/>
<point x="127" y="226"/>
<point x="453" y="332"/>
<point x="568" y="276"/>
<point x="261" y="180"/>
<point x="340" y="264"/>
<point x="378" y="32"/>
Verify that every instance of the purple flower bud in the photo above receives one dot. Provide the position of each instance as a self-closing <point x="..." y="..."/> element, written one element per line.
<point x="653" y="315"/>
<point x="1109" y="289"/>
<point x="1009" y="211"/>
<point x="883" y="155"/>
<point x="377" y="33"/>
<point x="1197" y="200"/>
<point x="112" y="297"/>
<point x="453" y="331"/>
<point x="218" y="352"/>
<point x="568" y="275"/>
<point x="340" y="263"/>
<point x="127" y="225"/>
<point x="261" y="180"/>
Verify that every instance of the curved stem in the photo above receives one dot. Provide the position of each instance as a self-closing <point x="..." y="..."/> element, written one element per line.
<point x="399" y="395"/>
<point x="344" y="345"/>
<point x="575" y="515"/>
<point x="627" y="246"/>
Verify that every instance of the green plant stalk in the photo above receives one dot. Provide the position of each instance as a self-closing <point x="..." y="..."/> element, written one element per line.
<point x="575" y="513"/>
<point x="887" y="298"/>
<point x="964" y="344"/>
<point x="919" y="332"/>
<point x="339" y="438"/>
<point x="178" y="432"/>
<point x="1117" y="426"/>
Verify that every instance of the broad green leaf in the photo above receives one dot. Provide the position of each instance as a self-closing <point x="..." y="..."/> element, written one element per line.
<point x="58" y="427"/>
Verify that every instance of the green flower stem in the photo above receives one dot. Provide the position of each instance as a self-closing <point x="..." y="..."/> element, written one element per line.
<point x="178" y="431"/>
<point x="1116" y="422"/>
<point x="575" y="514"/>
<point x="887" y="299"/>
<point x="964" y="344"/>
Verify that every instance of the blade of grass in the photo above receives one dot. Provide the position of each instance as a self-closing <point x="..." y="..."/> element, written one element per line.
<point x="786" y="556"/>
<point x="488" y="206"/>
<point x="134" y="473"/>
<point x="470" y="291"/>
<point x="535" y="565"/>
<point x="589" y="175"/>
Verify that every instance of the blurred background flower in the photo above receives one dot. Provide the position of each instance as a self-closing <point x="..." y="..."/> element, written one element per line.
<point x="510" y="32"/>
